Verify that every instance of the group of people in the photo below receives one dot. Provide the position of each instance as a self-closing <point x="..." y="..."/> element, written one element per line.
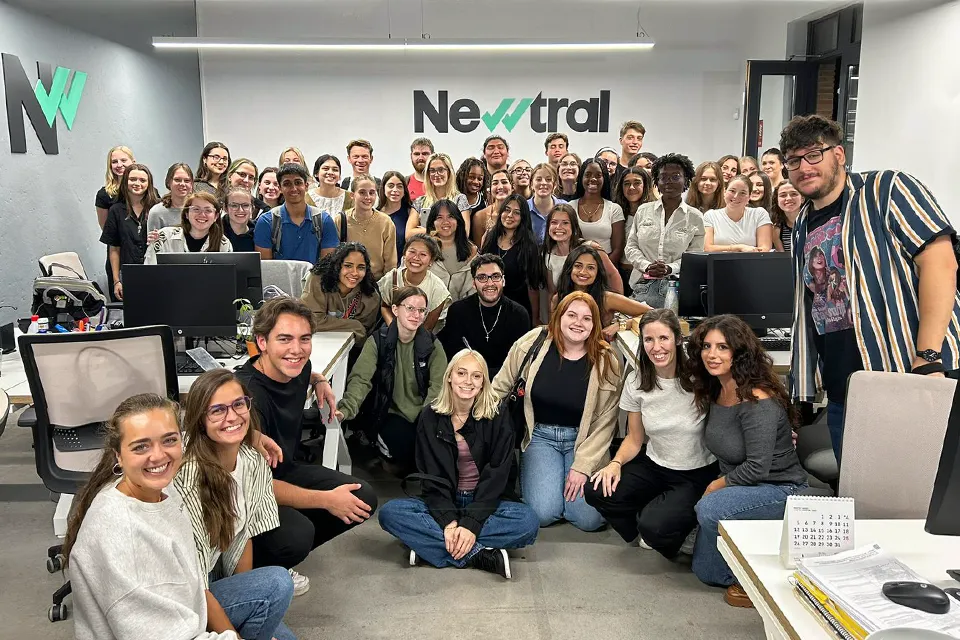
<point x="487" y="329"/>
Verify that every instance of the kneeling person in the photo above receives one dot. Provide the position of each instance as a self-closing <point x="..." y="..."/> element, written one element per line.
<point x="464" y="449"/>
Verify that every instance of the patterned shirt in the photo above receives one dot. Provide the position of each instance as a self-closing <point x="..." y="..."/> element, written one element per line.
<point x="888" y="217"/>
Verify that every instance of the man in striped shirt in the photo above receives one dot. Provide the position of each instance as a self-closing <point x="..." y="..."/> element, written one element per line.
<point x="874" y="270"/>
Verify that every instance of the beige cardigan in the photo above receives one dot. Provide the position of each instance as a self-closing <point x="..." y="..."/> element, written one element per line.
<point x="600" y="412"/>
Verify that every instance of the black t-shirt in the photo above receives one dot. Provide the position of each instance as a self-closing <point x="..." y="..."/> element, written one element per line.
<point x="105" y="200"/>
<point x="560" y="389"/>
<point x="837" y="348"/>
<point x="464" y="323"/>
<point x="127" y="232"/>
<point x="194" y="245"/>
<point x="515" y="273"/>
<point x="280" y="408"/>
<point x="242" y="242"/>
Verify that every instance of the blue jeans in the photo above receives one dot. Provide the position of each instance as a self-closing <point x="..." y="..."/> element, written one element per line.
<point x="835" y="425"/>
<point x="543" y="472"/>
<point x="255" y="602"/>
<point x="757" y="502"/>
<point x="511" y="526"/>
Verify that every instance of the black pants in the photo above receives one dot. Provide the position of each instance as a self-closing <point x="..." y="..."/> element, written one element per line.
<point x="398" y="444"/>
<point x="653" y="502"/>
<point x="303" y="530"/>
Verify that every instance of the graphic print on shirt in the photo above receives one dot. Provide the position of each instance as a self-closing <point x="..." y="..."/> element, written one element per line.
<point x="825" y="274"/>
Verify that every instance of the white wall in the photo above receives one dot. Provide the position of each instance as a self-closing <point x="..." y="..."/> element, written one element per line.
<point x="685" y="91"/>
<point x="909" y="104"/>
<point x="131" y="97"/>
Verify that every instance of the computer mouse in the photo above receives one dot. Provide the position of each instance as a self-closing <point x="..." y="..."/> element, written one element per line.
<point x="917" y="595"/>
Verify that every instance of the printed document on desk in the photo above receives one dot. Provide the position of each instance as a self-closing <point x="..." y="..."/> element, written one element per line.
<point x="854" y="580"/>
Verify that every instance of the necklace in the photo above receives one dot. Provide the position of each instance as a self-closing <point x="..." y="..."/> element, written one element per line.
<point x="363" y="226"/>
<point x="495" y="320"/>
<point x="589" y="215"/>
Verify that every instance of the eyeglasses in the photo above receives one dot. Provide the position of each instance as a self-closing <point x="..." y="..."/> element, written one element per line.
<point x="483" y="278"/>
<point x="202" y="210"/>
<point x="668" y="178"/>
<point x="218" y="159"/>
<point x="522" y="170"/>
<point x="414" y="310"/>
<point x="240" y="406"/>
<point x="438" y="171"/>
<point x="245" y="175"/>
<point x="570" y="163"/>
<point x="238" y="206"/>
<point x="813" y="157"/>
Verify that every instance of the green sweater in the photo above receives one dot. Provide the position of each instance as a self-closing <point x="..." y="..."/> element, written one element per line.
<point x="406" y="396"/>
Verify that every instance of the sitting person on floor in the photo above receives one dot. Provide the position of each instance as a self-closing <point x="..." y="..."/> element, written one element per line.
<point x="464" y="450"/>
<point x="131" y="553"/>
<point x="398" y="373"/>
<point x="316" y="504"/>
<point x="648" y="491"/>
<point x="749" y="430"/>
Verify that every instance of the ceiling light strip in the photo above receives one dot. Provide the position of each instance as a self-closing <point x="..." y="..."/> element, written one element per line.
<point x="223" y="44"/>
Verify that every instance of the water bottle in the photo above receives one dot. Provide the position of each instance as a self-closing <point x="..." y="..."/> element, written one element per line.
<point x="34" y="324"/>
<point x="672" y="300"/>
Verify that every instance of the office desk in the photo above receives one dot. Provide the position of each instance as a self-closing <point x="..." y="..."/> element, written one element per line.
<point x="752" y="550"/>
<point x="629" y="342"/>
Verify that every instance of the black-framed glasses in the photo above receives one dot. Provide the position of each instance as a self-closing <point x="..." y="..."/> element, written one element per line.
<point x="238" y="206"/>
<point x="240" y="406"/>
<point x="667" y="178"/>
<point x="483" y="278"/>
<point x="812" y="157"/>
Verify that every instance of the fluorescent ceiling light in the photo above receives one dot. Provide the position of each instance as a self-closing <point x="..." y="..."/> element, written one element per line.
<point x="337" y="46"/>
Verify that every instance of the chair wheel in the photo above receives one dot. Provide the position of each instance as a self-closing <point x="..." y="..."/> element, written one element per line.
<point x="55" y="563"/>
<point x="57" y="612"/>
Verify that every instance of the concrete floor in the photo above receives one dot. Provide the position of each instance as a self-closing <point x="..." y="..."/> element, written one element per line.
<point x="568" y="585"/>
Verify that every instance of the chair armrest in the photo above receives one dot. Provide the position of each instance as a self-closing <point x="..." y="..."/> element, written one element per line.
<point x="28" y="418"/>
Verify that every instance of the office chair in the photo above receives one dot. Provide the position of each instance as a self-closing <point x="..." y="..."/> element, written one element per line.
<point x="893" y="429"/>
<point x="286" y="275"/>
<point x="77" y="380"/>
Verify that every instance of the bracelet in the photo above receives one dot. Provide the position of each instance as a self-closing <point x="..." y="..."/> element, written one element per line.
<point x="618" y="462"/>
<point x="322" y="380"/>
<point x="930" y="367"/>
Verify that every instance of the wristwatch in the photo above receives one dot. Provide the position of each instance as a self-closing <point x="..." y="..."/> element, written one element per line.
<point x="929" y="355"/>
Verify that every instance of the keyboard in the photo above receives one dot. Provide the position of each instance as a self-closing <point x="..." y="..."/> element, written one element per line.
<point x="775" y="343"/>
<point x="186" y="366"/>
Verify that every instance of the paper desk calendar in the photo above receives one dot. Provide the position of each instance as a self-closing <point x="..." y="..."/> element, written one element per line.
<point x="815" y="526"/>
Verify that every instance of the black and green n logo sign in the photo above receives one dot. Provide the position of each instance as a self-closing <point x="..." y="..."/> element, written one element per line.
<point x="41" y="101"/>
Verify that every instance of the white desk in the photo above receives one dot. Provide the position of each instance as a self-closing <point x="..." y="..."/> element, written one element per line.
<point x="752" y="550"/>
<point x="629" y="342"/>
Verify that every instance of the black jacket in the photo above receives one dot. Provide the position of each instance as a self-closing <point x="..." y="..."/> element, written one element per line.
<point x="491" y="445"/>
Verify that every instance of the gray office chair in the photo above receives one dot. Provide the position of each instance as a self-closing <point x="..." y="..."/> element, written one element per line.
<point x="77" y="380"/>
<point x="286" y="275"/>
<point x="893" y="430"/>
<point x="816" y="455"/>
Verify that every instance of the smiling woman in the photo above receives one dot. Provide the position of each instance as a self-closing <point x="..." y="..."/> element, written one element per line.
<point x="200" y="229"/>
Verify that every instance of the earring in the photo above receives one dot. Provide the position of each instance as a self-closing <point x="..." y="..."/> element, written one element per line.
<point x="117" y="471"/>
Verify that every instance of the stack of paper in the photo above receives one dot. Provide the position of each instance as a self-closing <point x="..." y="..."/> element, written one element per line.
<point x="846" y="592"/>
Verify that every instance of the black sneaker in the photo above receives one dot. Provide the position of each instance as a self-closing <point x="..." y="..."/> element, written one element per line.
<point x="492" y="560"/>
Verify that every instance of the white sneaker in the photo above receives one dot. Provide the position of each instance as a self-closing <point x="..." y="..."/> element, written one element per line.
<point x="643" y="544"/>
<point x="301" y="584"/>
<point x="691" y="540"/>
<point x="413" y="558"/>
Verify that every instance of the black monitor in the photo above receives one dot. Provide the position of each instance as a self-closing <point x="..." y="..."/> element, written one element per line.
<point x="757" y="287"/>
<point x="692" y="294"/>
<point x="943" y="515"/>
<point x="195" y="300"/>
<point x="247" y="263"/>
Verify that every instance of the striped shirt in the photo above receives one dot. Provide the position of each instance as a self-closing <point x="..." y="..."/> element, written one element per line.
<point x="888" y="218"/>
<point x="261" y="510"/>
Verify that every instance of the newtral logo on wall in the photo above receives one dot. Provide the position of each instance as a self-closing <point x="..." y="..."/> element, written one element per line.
<point x="40" y="103"/>
<point x="543" y="113"/>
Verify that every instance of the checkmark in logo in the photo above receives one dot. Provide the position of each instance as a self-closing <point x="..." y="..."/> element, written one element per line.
<point x="50" y="101"/>
<point x="493" y="119"/>
<point x="511" y="120"/>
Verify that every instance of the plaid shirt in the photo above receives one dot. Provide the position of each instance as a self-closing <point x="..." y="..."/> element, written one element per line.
<point x="888" y="218"/>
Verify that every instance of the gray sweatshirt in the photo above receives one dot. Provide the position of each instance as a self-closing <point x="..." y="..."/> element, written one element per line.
<point x="134" y="572"/>
<point x="753" y="444"/>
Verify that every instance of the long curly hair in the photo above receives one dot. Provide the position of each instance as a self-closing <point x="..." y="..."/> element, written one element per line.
<point x="752" y="366"/>
<point x="329" y="267"/>
<point x="597" y="290"/>
<point x="464" y="171"/>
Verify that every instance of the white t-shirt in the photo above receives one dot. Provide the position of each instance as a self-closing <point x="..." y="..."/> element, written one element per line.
<point x="555" y="266"/>
<point x="241" y="505"/>
<point x="601" y="231"/>
<point x="671" y="421"/>
<point x="727" y="232"/>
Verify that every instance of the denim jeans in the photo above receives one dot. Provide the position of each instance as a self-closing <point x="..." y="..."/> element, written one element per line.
<point x="511" y="526"/>
<point x="757" y="502"/>
<point x="543" y="472"/>
<point x="835" y="425"/>
<point x="255" y="602"/>
<point x="653" y="292"/>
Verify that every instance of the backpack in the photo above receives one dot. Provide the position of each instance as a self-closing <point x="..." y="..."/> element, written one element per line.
<point x="276" y="230"/>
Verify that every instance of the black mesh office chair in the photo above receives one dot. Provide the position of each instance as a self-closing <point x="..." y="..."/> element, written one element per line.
<point x="77" y="380"/>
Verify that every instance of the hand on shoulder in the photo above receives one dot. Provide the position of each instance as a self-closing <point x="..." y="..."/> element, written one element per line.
<point x="761" y="394"/>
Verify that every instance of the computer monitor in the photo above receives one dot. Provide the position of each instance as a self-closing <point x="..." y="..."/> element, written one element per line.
<point x="195" y="300"/>
<point x="943" y="515"/>
<point x="757" y="287"/>
<point x="247" y="263"/>
<point x="692" y="294"/>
